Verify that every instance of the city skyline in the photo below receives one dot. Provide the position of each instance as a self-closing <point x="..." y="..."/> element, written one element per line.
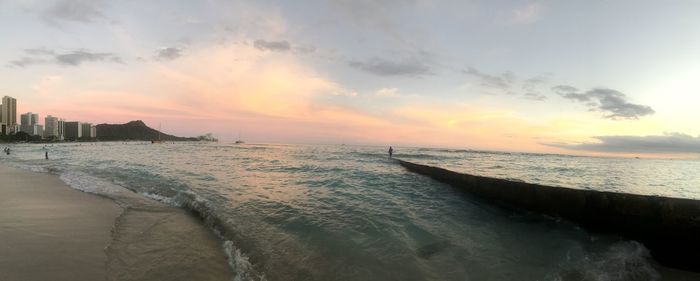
<point x="534" y="76"/>
<point x="53" y="127"/>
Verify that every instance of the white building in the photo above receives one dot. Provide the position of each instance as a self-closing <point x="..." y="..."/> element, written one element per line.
<point x="61" y="129"/>
<point x="53" y="127"/>
<point x="30" y="124"/>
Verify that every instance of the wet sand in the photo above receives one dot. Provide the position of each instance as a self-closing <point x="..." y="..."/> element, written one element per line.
<point x="49" y="231"/>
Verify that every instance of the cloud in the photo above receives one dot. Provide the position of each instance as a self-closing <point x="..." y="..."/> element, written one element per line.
<point x="76" y="58"/>
<point x="382" y="67"/>
<point x="343" y="92"/>
<point x="670" y="143"/>
<point x="26" y="61"/>
<point x="609" y="101"/>
<point x="533" y="87"/>
<point x="84" y="11"/>
<point x="502" y="81"/>
<point x="535" y="96"/>
<point x="527" y="14"/>
<point x="388" y="92"/>
<point x="532" y="84"/>
<point x="169" y="53"/>
<point x="304" y="49"/>
<point x="563" y="89"/>
<point x="275" y="46"/>
<point x="73" y="58"/>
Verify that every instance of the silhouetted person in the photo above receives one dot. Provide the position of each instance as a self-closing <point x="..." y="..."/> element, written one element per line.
<point x="47" y="155"/>
<point x="391" y="151"/>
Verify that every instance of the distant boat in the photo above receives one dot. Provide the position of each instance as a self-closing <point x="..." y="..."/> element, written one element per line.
<point x="239" y="141"/>
<point x="158" y="140"/>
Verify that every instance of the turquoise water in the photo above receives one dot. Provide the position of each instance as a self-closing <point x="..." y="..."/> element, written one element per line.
<point x="325" y="212"/>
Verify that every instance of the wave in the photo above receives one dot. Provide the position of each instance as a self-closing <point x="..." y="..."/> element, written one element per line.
<point x="130" y="196"/>
<point x="421" y="156"/>
<point x="621" y="261"/>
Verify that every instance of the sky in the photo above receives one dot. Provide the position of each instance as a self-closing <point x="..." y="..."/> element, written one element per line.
<point x="573" y="77"/>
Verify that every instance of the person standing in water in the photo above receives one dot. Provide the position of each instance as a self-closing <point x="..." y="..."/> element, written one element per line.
<point x="391" y="151"/>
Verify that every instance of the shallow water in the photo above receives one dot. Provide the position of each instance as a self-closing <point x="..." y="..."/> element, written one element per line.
<point x="323" y="212"/>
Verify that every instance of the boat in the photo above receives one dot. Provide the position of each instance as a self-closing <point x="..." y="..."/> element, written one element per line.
<point x="239" y="141"/>
<point x="158" y="140"/>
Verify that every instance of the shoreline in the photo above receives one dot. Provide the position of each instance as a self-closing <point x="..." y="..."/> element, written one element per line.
<point x="51" y="231"/>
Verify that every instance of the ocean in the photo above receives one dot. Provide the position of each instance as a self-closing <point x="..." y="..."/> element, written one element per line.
<point x="342" y="212"/>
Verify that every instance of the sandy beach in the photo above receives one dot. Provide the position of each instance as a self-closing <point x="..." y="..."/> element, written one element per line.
<point x="49" y="231"/>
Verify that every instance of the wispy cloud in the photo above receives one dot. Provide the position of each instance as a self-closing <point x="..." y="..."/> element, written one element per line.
<point x="526" y="14"/>
<point x="383" y="67"/>
<point x="534" y="96"/>
<point x="275" y="46"/>
<point x="502" y="81"/>
<point x="388" y="92"/>
<point x="507" y="83"/>
<point x="658" y="144"/>
<point x="72" y="58"/>
<point x="612" y="102"/>
<point x="84" y="11"/>
<point x="169" y="53"/>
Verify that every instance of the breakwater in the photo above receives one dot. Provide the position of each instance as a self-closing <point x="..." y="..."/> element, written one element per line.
<point x="668" y="227"/>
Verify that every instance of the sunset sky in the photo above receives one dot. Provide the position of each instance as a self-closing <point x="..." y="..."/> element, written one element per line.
<point x="578" y="77"/>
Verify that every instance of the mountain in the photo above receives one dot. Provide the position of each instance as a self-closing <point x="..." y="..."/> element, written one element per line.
<point x="134" y="130"/>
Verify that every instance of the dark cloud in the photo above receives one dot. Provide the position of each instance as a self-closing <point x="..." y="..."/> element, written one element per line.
<point x="668" y="143"/>
<point x="169" y="53"/>
<point x="275" y="46"/>
<point x="84" y="11"/>
<point x="76" y="58"/>
<point x="609" y="101"/>
<point x="73" y="58"/>
<point x="535" y="96"/>
<point x="382" y="67"/>
<point x="502" y="81"/>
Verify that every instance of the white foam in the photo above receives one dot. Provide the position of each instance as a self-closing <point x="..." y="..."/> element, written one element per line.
<point x="86" y="183"/>
<point x="628" y="260"/>
<point x="240" y="263"/>
<point x="161" y="198"/>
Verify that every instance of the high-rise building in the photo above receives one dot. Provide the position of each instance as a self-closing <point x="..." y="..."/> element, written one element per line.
<point x="30" y="124"/>
<point x="51" y="128"/>
<point x="86" y="130"/>
<point x="61" y="129"/>
<point x="8" y="113"/>
<point x="29" y="119"/>
<point x="73" y="130"/>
